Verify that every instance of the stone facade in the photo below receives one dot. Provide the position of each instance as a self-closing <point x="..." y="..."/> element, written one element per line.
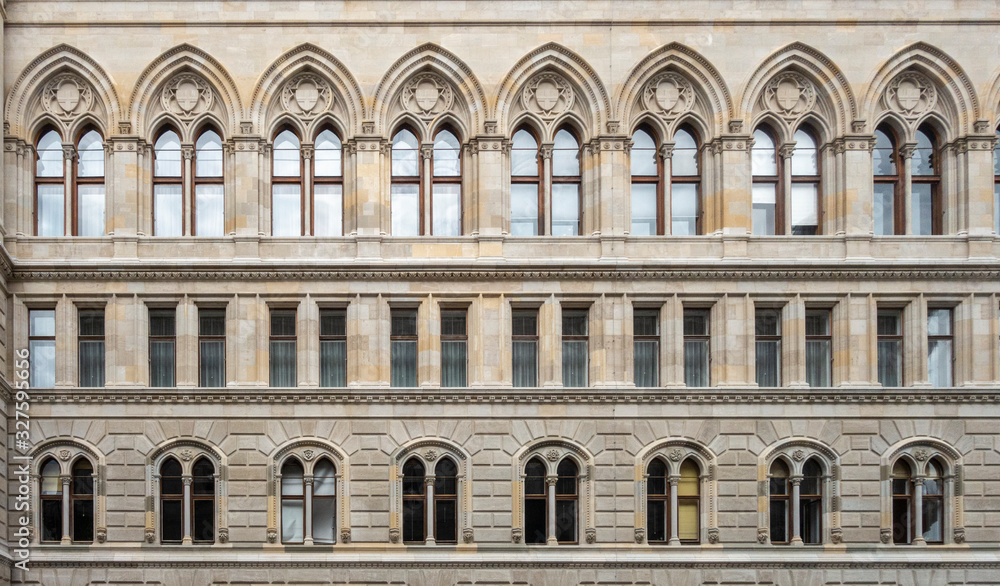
<point x="484" y="70"/>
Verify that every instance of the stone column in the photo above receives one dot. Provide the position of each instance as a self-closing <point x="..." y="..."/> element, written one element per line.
<point x="731" y="337"/>
<point x="550" y="501"/>
<point x="607" y="343"/>
<point x="735" y="182"/>
<point x="545" y="214"/>
<point x="918" y="511"/>
<point x="187" y="343"/>
<point x="67" y="539"/>
<point x="307" y="539"/>
<point x="187" y="151"/>
<point x="69" y="153"/>
<point x="307" y="344"/>
<point x="429" y="484"/>
<point x="187" y="479"/>
<point x="796" y="482"/>
<point x="66" y="343"/>
<point x="674" y="539"/>
<point x="915" y="343"/>
<point x="667" y="154"/>
<point x="371" y="168"/>
<point x="980" y="185"/>
<point x="611" y="209"/>
<point x="489" y="342"/>
<point x="550" y="344"/>
<point x="855" y="350"/>
<point x="368" y="324"/>
<point x="13" y="204"/>
<point x="307" y="155"/>
<point x="426" y="189"/>
<point x="785" y="152"/>
<point x="906" y="152"/>
<point x="121" y="186"/>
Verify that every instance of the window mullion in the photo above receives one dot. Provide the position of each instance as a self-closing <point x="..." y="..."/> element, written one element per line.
<point x="187" y="479"/>
<point x="307" y="537"/>
<point x="429" y="525"/>
<point x="673" y="480"/>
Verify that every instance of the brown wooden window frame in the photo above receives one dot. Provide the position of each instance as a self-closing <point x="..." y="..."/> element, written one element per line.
<point x="196" y="180"/>
<point x="417" y="179"/>
<point x="78" y="180"/>
<point x="688" y="179"/>
<point x="898" y="205"/>
<point x="816" y="179"/>
<point x="777" y="180"/>
<point x="168" y="180"/>
<point x="39" y="180"/>
<point x="656" y="180"/>
<point x="538" y="179"/>
<point x="448" y="180"/>
<point x="568" y="179"/>
<point x="934" y="180"/>
<point x="325" y="180"/>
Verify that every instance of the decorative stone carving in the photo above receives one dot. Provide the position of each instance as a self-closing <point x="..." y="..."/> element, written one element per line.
<point x="675" y="454"/>
<point x="515" y="534"/>
<point x="911" y="94"/>
<point x="345" y="535"/>
<point x="427" y="95"/>
<point x="591" y="534"/>
<point x="885" y="535"/>
<point x="668" y="94"/>
<point x="552" y="455"/>
<point x="394" y="535"/>
<point x="306" y="95"/>
<point x="467" y="535"/>
<point x="640" y="534"/>
<point x="308" y="455"/>
<point x="186" y="455"/>
<point x="762" y="535"/>
<point x="223" y="534"/>
<point x="548" y="95"/>
<point x="713" y="535"/>
<point x="66" y="96"/>
<point x="837" y="535"/>
<point x="187" y="95"/>
<point x="958" y="534"/>
<point x="920" y="454"/>
<point x="101" y="535"/>
<point x="790" y="94"/>
<point x="64" y="455"/>
<point x="430" y="455"/>
<point x="799" y="455"/>
<point x="150" y="535"/>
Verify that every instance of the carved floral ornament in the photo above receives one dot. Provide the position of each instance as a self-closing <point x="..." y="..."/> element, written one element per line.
<point x="911" y="94"/>
<point x="790" y="94"/>
<point x="668" y="94"/>
<point x="427" y="95"/>
<point x="187" y="95"/>
<point x="548" y="95"/>
<point x="306" y="95"/>
<point x="66" y="96"/>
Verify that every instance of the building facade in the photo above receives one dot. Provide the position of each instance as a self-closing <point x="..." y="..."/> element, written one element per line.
<point x="538" y="293"/>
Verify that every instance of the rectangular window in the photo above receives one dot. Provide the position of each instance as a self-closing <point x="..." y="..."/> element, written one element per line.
<point x="922" y="203"/>
<point x="644" y="209"/>
<point x="212" y="347"/>
<point x="565" y="209"/>
<point x="819" y="348"/>
<point x="333" y="348"/>
<point x="890" y="348"/>
<point x="454" y="349"/>
<point x="283" y="348"/>
<point x="91" y="341"/>
<point x="209" y="210"/>
<point x="696" y="339"/>
<point x="403" y="342"/>
<point x="767" y="332"/>
<point x="575" y="352"/>
<point x="49" y="209"/>
<point x="940" y="352"/>
<point x="646" y="346"/>
<point x="90" y="213"/>
<point x="764" y="209"/>
<point x="524" y="341"/>
<point x="162" y="344"/>
<point x="328" y="215"/>
<point x="446" y="209"/>
<point x="167" y="205"/>
<point x="286" y="214"/>
<point x="405" y="209"/>
<point x="684" y="212"/>
<point x="42" y="348"/>
<point x="884" y="210"/>
<point x="524" y="209"/>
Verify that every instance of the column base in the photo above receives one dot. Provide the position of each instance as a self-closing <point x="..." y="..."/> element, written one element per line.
<point x="552" y="541"/>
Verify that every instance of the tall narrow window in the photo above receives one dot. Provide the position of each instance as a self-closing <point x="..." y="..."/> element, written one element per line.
<point x="685" y="185"/>
<point x="932" y="504"/>
<point x="567" y="497"/>
<point x="767" y="331"/>
<point x="209" y="192"/>
<point x="805" y="185"/>
<point x="162" y="347"/>
<point x="171" y="502"/>
<point x="689" y="503"/>
<point x="91" y="340"/>
<point x="524" y="347"/>
<point x="779" y="502"/>
<point x="324" y="502"/>
<point x="890" y="348"/>
<point x="446" y="200"/>
<point x="328" y="186"/>
<point x="575" y="351"/>
<point x="89" y="205"/>
<point x="657" y="502"/>
<point x="764" y="168"/>
<point x="811" y="503"/>
<point x="42" y="348"/>
<point x="212" y="347"/>
<point x="50" y="205"/>
<point x="168" y="185"/>
<point x="925" y="202"/>
<point x="536" y="512"/>
<point x="203" y="501"/>
<point x="286" y="185"/>
<point x="81" y="501"/>
<point x="902" y="503"/>
<point x="646" y="347"/>
<point x="332" y="348"/>
<point x="454" y="349"/>
<point x="51" y="496"/>
<point x="406" y="210"/>
<point x="696" y="341"/>
<point x="647" y="207"/>
<point x="414" y="502"/>
<point x="446" y="501"/>
<point x="525" y="188"/>
<point x="819" y="348"/>
<point x="404" y="347"/>
<point x="996" y="185"/>
<point x="293" y="505"/>
<point x="887" y="210"/>
<point x="283" y="348"/>
<point x="566" y="198"/>
<point x="940" y="351"/>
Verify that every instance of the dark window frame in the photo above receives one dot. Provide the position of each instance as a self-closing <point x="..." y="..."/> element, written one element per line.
<point x="333" y="338"/>
<point x="172" y="339"/>
<point x="898" y="338"/>
<point x="168" y="179"/>
<point x="538" y="179"/>
<point x="828" y="337"/>
<point x="78" y="180"/>
<point x="214" y="312"/>
<point x="688" y="179"/>
<point x="448" y="179"/>
<point x="325" y="180"/>
<point x="420" y="497"/>
<point x="654" y="338"/>
<point x="40" y="180"/>
<point x="75" y="497"/>
<point x="454" y="312"/>
<point x="577" y="312"/>
<point x="706" y="337"/>
<point x="415" y="338"/>
<point x="283" y="180"/>
<point x="55" y="497"/>
<point x="272" y="338"/>
<point x="934" y="180"/>
<point x="301" y="497"/>
<point x="82" y="338"/>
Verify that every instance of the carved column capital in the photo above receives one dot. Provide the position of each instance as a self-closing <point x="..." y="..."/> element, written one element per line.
<point x="551" y="480"/>
<point x="187" y="151"/>
<point x="546" y="151"/>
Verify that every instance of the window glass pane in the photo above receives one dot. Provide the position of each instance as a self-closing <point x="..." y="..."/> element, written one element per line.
<point x="49" y="214"/>
<point x="208" y="155"/>
<point x="333" y="323"/>
<point x="923" y="156"/>
<point x="161" y="363"/>
<point x="762" y="158"/>
<point x="890" y="363"/>
<point x="535" y="521"/>
<point x="939" y="358"/>
<point x="446" y="155"/>
<point x="779" y="521"/>
<point x="453" y="363"/>
<point x="695" y="323"/>
<point x="534" y="481"/>
<point x="404" y="323"/>
<point x="656" y="483"/>
<point x="413" y="520"/>
<point x="883" y="157"/>
<point x="167" y="155"/>
<point x="167" y="205"/>
<point x="656" y="520"/>
<point x="939" y="322"/>
<point x="405" y="210"/>
<point x="327" y="155"/>
<point x="171" y="520"/>
<point x="805" y="208"/>
<point x="90" y="156"/>
<point x="818" y="363"/>
<point x="51" y="483"/>
<point x="43" y="363"/>
<point x="763" y="208"/>
<point x="50" y="156"/>
<point x="574" y="323"/>
<point x="565" y="155"/>
<point x="291" y="479"/>
<point x="687" y="520"/>
<point x="210" y="214"/>
<point x="684" y="159"/>
<point x="684" y="209"/>
<point x="643" y="209"/>
<point x="996" y="208"/>
<point x="51" y="520"/>
<point x="884" y="210"/>
<point x="643" y="154"/>
<point x="405" y="155"/>
<point x="811" y="518"/>
<point x="933" y="520"/>
<point x="286" y="218"/>
<point x="565" y="209"/>
<point x="566" y="520"/>
<point x="83" y="520"/>
<point x="525" y="364"/>
<point x="768" y="363"/>
<point x="446" y="516"/>
<point x="447" y="209"/>
<point x="804" y="157"/>
<point x="696" y="363"/>
<point x="203" y="520"/>
<point x="524" y="155"/>
<point x="283" y="363"/>
<point x="689" y="483"/>
<point x="404" y="363"/>
<point x="333" y="363"/>
<point x="574" y="363"/>
<point x="212" y="363"/>
<point x="286" y="160"/>
<point x="767" y="322"/>
<point x="566" y="484"/>
<point x="817" y="323"/>
<point x="324" y="519"/>
<point x="90" y="210"/>
<point x="524" y="209"/>
<point x="923" y="211"/>
<point x="204" y="482"/>
<point x="324" y="479"/>
<point x="329" y="210"/>
<point x="91" y="363"/>
<point x="901" y="520"/>
<point x="647" y="365"/>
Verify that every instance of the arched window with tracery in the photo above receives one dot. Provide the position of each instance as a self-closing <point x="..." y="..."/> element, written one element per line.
<point x="292" y="502"/>
<point x="328" y="185"/>
<point x="286" y="185"/>
<point x="779" y="501"/>
<point x="647" y="198"/>
<point x="89" y="204"/>
<point x="796" y="501"/>
<point x="405" y="192"/>
<point x="932" y="503"/>
<point x="187" y="502"/>
<point x="445" y="501"/>
<point x="446" y="186"/>
<point x="168" y="185"/>
<point x="925" y="177"/>
<point x="566" y="195"/>
<point x="81" y="501"/>
<point x="685" y="184"/>
<point x="209" y="190"/>
<point x="526" y="204"/>
<point x="567" y="501"/>
<point x="203" y="501"/>
<point x="888" y="205"/>
<point x="50" y="186"/>
<point x="306" y="489"/>
<point x="764" y="167"/>
<point x="536" y="513"/>
<point x="673" y="503"/>
<point x="414" y="502"/>
<point x="51" y="496"/>
<point x="172" y="502"/>
<point x="805" y="188"/>
<point x="811" y="503"/>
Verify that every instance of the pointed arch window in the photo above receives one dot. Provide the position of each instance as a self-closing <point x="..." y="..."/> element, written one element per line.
<point x="203" y="501"/>
<point x="918" y="502"/>
<point x="286" y="185"/>
<point x="525" y="191"/>
<point x="209" y="191"/>
<point x="779" y="501"/>
<point x="81" y="502"/>
<point x="535" y="502"/>
<point x="308" y="502"/>
<point x="902" y="503"/>
<point x="171" y="502"/>
<point x="50" y="186"/>
<point x="445" y="501"/>
<point x="293" y="504"/>
<point x="187" y="502"/>
<point x="805" y="189"/>
<point x="796" y="503"/>
<point x="566" y="196"/>
<point x="811" y="503"/>
<point x="51" y="496"/>
<point x="324" y="502"/>
<point x="657" y="502"/>
<point x="673" y="505"/>
<point x="446" y="189"/>
<point x="89" y="204"/>
<point x="168" y="185"/>
<point x="551" y="503"/>
<point x="764" y="163"/>
<point x="414" y="502"/>
<point x="888" y="206"/>
<point x="925" y="178"/>
<point x="647" y="201"/>
<point x="685" y="185"/>
<point x="567" y="501"/>
<point x="689" y="502"/>
<point x="932" y="503"/>
<point x="328" y="185"/>
<point x="405" y="193"/>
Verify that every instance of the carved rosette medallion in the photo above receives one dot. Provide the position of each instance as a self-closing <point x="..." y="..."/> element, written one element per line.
<point x="307" y="455"/>
<point x="552" y="455"/>
<point x="64" y="455"/>
<point x="790" y="94"/>
<point x="427" y="95"/>
<point x="187" y="95"/>
<point x="430" y="455"/>
<point x="669" y="95"/>
<point x="306" y="96"/>
<point x="548" y="95"/>
<point x="798" y="455"/>
<point x="66" y="96"/>
<point x="675" y="454"/>
<point x="911" y="94"/>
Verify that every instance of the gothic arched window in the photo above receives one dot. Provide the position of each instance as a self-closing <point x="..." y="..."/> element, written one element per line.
<point x="88" y="207"/>
<point x="685" y="185"/>
<point x="647" y="199"/>
<point x="324" y="502"/>
<point x="888" y="207"/>
<point x="996" y="185"/>
<point x="536" y="511"/>
<point x="445" y="501"/>
<point x="446" y="186"/>
<point x="764" y="163"/>
<point x="902" y="503"/>
<point x="689" y="502"/>
<point x="779" y="502"/>
<point x="209" y="191"/>
<point x="286" y="185"/>
<point x="526" y="202"/>
<point x="81" y="501"/>
<point x="406" y="202"/>
<point x="50" y="186"/>
<point x="925" y="178"/>
<point x="414" y="502"/>
<point x="567" y="501"/>
<point x="328" y="185"/>
<point x="811" y="503"/>
<point x="292" y="502"/>
<point x="168" y="186"/>
<point x="932" y="503"/>
<point x="566" y="197"/>
<point x="51" y="496"/>
<point x="805" y="189"/>
<point x="171" y="502"/>
<point x="203" y="501"/>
